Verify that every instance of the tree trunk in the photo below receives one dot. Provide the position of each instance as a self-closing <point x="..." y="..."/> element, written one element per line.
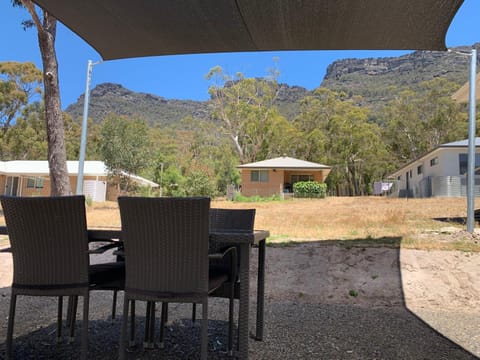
<point x="57" y="155"/>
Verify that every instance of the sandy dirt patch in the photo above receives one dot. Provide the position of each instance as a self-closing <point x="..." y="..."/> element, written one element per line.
<point x="366" y="276"/>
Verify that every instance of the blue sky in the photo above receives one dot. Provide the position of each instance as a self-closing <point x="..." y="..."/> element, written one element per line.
<point x="182" y="77"/>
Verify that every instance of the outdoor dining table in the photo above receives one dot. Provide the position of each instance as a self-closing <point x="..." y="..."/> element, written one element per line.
<point x="245" y="241"/>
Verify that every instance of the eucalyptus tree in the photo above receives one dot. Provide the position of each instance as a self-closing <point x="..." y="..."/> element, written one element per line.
<point x="46" y="26"/>
<point x="26" y="139"/>
<point x="336" y="131"/>
<point x="19" y="83"/>
<point x="126" y="149"/>
<point x="246" y="108"/>
<point x="417" y="122"/>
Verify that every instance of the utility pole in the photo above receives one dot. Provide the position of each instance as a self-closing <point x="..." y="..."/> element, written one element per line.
<point x="83" y="139"/>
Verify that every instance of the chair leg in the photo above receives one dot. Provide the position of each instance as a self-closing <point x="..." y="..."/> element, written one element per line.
<point x="123" y="334"/>
<point x="132" y="323"/>
<point x="69" y="309"/>
<point x="194" y="313"/>
<point x="86" y="303"/>
<point x="163" y="320"/>
<point x="114" y="304"/>
<point x="149" y="326"/>
<point x="230" y="324"/>
<point x="146" y="336"/>
<point x="73" y="317"/>
<point x="204" y="338"/>
<point x="11" y="318"/>
<point x="59" y="319"/>
<point x="151" y="332"/>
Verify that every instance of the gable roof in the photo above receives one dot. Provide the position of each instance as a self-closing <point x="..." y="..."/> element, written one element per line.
<point x="284" y="162"/>
<point x="40" y="168"/>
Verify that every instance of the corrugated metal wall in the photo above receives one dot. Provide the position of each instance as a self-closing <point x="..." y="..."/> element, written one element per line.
<point x="452" y="186"/>
<point x="439" y="186"/>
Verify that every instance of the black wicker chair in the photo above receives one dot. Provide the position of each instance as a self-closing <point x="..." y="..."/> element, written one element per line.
<point x="166" y="255"/>
<point x="227" y="220"/>
<point x="49" y="242"/>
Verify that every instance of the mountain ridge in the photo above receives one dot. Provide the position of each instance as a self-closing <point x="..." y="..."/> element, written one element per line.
<point x="376" y="80"/>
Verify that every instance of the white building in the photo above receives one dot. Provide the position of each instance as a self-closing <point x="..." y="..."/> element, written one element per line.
<point x="440" y="172"/>
<point x="31" y="178"/>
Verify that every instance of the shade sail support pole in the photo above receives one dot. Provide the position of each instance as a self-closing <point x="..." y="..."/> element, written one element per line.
<point x="471" y="145"/>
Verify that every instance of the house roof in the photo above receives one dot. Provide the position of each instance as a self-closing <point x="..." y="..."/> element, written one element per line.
<point x="40" y="168"/>
<point x="460" y="143"/>
<point x="284" y="162"/>
<point x="454" y="144"/>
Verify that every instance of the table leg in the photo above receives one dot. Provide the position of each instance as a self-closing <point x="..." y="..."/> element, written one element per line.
<point x="243" y="330"/>
<point x="260" y="290"/>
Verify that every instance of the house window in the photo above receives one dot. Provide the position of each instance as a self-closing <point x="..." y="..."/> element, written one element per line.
<point x="297" y="178"/>
<point x="410" y="174"/>
<point x="259" y="176"/>
<point x="434" y="161"/>
<point x="419" y="169"/>
<point x="35" y="183"/>
<point x="463" y="163"/>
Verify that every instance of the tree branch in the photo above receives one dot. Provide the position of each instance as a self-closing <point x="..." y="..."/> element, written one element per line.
<point x="30" y="6"/>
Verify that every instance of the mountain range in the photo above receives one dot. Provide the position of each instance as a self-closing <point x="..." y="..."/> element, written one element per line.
<point x="376" y="80"/>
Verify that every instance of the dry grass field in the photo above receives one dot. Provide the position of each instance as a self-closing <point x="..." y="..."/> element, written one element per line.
<point x="410" y="223"/>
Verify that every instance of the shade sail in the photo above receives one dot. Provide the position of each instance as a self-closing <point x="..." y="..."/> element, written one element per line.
<point x="124" y="28"/>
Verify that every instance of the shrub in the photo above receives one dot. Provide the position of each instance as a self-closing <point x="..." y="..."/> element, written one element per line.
<point x="89" y="200"/>
<point x="199" y="184"/>
<point x="309" y="189"/>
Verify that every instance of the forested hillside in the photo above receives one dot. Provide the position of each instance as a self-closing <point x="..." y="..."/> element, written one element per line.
<point x="368" y="117"/>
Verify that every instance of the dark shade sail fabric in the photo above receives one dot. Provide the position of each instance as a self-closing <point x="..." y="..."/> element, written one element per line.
<point x="124" y="28"/>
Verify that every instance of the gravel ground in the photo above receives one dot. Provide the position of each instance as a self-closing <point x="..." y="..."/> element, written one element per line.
<point x="302" y="321"/>
<point x="293" y="331"/>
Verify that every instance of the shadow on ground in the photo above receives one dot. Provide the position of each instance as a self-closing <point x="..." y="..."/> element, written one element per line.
<point x="298" y="325"/>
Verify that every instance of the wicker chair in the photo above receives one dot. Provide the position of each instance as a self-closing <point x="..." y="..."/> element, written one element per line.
<point x="227" y="220"/>
<point x="166" y="255"/>
<point x="49" y="245"/>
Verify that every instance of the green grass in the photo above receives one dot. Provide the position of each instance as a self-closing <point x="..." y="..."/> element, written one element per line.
<point x="256" y="198"/>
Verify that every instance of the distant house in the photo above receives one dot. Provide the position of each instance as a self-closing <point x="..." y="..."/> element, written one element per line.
<point x="275" y="176"/>
<point x="31" y="178"/>
<point x="440" y="172"/>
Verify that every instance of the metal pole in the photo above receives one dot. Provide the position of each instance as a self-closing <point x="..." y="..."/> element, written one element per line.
<point x="471" y="146"/>
<point x="83" y="139"/>
<point x="161" y="179"/>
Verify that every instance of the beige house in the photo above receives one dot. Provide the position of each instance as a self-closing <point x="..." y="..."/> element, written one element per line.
<point x="31" y="178"/>
<point x="277" y="176"/>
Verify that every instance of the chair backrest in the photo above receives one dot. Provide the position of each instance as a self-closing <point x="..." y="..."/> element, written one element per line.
<point x="232" y="220"/>
<point x="49" y="241"/>
<point x="166" y="245"/>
